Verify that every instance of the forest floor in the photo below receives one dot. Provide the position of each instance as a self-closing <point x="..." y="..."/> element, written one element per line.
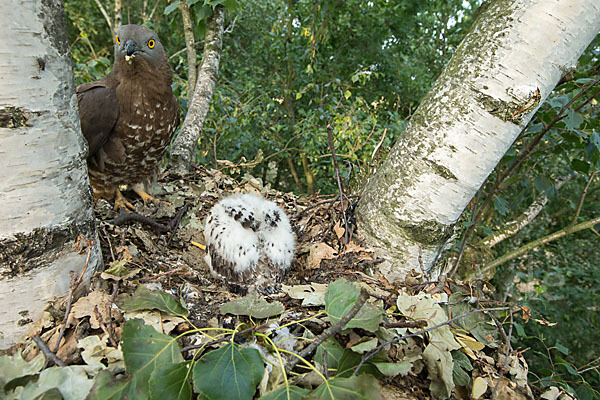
<point x="161" y="248"/>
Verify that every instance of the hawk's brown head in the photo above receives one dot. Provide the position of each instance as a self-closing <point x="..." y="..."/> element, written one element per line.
<point x="136" y="45"/>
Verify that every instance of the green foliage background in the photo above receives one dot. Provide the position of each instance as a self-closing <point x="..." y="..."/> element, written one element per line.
<point x="291" y="68"/>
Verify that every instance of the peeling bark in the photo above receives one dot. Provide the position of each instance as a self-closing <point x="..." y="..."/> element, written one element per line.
<point x="182" y="152"/>
<point x="45" y="196"/>
<point x="506" y="66"/>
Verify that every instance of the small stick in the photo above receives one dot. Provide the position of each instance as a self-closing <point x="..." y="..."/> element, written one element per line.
<point x="332" y="330"/>
<point x="49" y="354"/>
<point x="339" y="182"/>
<point x="372" y="353"/>
<point x="75" y="281"/>
<point x="174" y="224"/>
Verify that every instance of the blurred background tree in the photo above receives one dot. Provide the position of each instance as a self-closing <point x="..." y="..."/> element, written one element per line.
<point x="290" y="68"/>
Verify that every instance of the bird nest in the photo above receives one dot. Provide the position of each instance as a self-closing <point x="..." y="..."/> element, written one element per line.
<point x="419" y="338"/>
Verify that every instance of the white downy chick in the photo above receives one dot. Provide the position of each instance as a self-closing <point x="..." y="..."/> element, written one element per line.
<point x="248" y="239"/>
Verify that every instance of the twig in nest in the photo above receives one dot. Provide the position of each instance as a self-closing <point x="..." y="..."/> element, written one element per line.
<point x="50" y="356"/>
<point x="339" y="182"/>
<point x="508" y="349"/>
<point x="126" y="217"/>
<point x="174" y="224"/>
<point x="406" y="324"/>
<point x="372" y="353"/>
<point x="75" y="281"/>
<point x="171" y="272"/>
<point x="104" y="328"/>
<point x="332" y="330"/>
<point x="223" y="339"/>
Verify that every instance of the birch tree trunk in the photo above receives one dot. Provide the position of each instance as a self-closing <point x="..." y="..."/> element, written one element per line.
<point x="504" y="68"/>
<point x="182" y="152"/>
<point x="45" y="196"/>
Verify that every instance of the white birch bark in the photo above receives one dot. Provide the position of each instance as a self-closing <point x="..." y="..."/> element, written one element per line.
<point x="513" y="57"/>
<point x="45" y="197"/>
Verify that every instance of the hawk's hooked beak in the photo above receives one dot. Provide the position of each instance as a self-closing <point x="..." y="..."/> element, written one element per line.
<point x="130" y="49"/>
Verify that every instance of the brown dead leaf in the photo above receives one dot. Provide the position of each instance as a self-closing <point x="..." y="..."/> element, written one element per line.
<point x="361" y="252"/>
<point x="526" y="313"/>
<point x="318" y="252"/>
<point x="339" y="230"/>
<point x="84" y="307"/>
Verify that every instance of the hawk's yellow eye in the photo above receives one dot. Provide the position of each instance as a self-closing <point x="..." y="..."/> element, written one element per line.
<point x="151" y="43"/>
<point x="117" y="39"/>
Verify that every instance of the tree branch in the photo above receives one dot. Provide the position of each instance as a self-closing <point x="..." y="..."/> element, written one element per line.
<point x="182" y="153"/>
<point x="541" y="241"/>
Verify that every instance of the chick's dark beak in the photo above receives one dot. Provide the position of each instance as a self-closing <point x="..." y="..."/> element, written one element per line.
<point x="131" y="47"/>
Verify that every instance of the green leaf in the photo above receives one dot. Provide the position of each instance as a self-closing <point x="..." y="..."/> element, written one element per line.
<point x="107" y="387"/>
<point x="580" y="166"/>
<point x="542" y="183"/>
<point x="339" y="300"/>
<point x="460" y="376"/>
<point x="355" y="387"/>
<point x="573" y="120"/>
<point x="365" y="346"/>
<point x="228" y="373"/>
<point x="501" y="205"/>
<point x="254" y="306"/>
<point x="171" y="381"/>
<point x="393" y="369"/>
<point x="72" y="382"/>
<point x="15" y="366"/>
<point x="146" y="299"/>
<point x="333" y="350"/>
<point x="347" y="94"/>
<point x="350" y="361"/>
<point x="289" y="393"/>
<point x="562" y="349"/>
<point x="298" y="96"/>
<point x="171" y="7"/>
<point x="144" y="350"/>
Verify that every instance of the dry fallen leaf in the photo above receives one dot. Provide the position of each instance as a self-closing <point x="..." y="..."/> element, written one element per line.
<point x="318" y="252"/>
<point x="84" y="307"/>
<point x="480" y="386"/>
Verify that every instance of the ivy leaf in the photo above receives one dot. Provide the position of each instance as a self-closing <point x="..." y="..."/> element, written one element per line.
<point x="15" y="366"/>
<point x="347" y="94"/>
<point x="350" y="361"/>
<point x="289" y="393"/>
<point x="333" y="350"/>
<point x="171" y="381"/>
<point x="341" y="297"/>
<point x="254" y="306"/>
<point x="356" y="387"/>
<point x="228" y="373"/>
<point x="146" y="299"/>
<point x="144" y="350"/>
<point x="71" y="382"/>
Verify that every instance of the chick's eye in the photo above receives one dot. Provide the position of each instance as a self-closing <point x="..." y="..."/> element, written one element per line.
<point x="117" y="39"/>
<point x="151" y="43"/>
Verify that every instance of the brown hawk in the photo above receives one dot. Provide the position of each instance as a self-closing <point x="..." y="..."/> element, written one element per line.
<point x="128" y="118"/>
<point x="248" y="240"/>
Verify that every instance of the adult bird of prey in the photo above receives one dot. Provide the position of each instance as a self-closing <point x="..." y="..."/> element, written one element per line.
<point x="128" y="117"/>
<point x="248" y="240"/>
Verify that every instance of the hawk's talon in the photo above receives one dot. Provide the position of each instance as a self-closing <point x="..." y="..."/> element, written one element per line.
<point x="146" y="198"/>
<point x="121" y="201"/>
